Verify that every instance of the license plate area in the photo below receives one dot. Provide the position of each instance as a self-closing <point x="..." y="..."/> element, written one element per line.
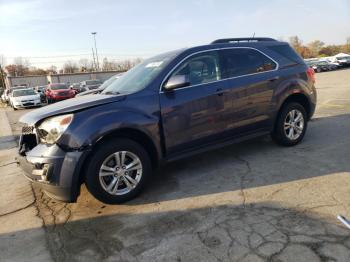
<point x="28" y="140"/>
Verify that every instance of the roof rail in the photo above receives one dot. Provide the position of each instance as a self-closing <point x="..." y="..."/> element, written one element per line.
<point x="242" y="39"/>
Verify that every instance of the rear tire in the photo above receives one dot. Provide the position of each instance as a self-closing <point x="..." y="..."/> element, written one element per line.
<point x="291" y="125"/>
<point x="112" y="162"/>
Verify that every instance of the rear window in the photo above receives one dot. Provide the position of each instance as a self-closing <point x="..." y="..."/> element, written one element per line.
<point x="58" y="86"/>
<point x="287" y="52"/>
<point x="244" y="61"/>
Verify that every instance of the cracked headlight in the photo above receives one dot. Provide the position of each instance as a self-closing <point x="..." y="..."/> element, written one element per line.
<point x="52" y="128"/>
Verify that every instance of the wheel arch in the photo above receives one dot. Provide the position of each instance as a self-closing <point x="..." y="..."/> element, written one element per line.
<point x="130" y="133"/>
<point x="296" y="98"/>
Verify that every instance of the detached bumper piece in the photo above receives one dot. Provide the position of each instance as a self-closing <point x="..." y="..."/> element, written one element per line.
<point x="36" y="172"/>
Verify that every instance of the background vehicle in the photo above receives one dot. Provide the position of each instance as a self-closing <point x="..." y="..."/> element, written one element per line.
<point x="102" y="87"/>
<point x="343" y="61"/>
<point x="21" y="98"/>
<point x="9" y="93"/>
<point x="57" y="92"/>
<point x="91" y="84"/>
<point x="41" y="91"/>
<point x="322" y="66"/>
<point x="5" y="96"/>
<point x="168" y="107"/>
<point x="77" y="87"/>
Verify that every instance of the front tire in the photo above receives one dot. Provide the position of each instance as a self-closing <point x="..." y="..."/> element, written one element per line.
<point x="118" y="171"/>
<point x="291" y="125"/>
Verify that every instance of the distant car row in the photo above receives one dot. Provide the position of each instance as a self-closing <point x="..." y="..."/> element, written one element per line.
<point x="23" y="96"/>
<point x="86" y="85"/>
<point x="328" y="64"/>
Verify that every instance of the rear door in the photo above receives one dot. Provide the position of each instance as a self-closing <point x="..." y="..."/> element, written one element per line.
<point x="251" y="77"/>
<point x="196" y="114"/>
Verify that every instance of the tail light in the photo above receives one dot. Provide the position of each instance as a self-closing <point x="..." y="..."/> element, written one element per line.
<point x="311" y="74"/>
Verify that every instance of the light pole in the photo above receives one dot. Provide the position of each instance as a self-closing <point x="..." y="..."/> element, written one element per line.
<point x="98" y="64"/>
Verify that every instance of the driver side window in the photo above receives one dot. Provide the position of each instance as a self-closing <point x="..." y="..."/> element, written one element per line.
<point x="200" y="69"/>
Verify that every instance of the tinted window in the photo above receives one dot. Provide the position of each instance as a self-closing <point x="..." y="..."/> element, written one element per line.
<point x="243" y="61"/>
<point x="287" y="52"/>
<point x="201" y="68"/>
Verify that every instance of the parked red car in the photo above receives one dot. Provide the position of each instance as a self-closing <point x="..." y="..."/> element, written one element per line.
<point x="57" y="92"/>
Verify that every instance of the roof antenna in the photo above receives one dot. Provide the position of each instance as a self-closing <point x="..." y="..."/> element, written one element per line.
<point x="253" y="36"/>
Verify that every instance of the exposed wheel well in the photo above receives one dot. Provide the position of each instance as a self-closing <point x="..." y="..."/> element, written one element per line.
<point x="132" y="134"/>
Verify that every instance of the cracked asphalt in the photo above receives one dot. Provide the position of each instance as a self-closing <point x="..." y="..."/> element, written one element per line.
<point x="253" y="201"/>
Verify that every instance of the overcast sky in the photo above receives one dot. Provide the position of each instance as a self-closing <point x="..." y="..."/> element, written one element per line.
<point x="48" y="28"/>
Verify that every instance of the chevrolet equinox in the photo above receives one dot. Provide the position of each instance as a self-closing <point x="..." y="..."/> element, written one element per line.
<point x="168" y="107"/>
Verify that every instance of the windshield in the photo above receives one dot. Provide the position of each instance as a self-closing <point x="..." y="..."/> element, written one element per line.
<point x="24" y="92"/>
<point x="140" y="76"/>
<point x="107" y="82"/>
<point x="58" y="86"/>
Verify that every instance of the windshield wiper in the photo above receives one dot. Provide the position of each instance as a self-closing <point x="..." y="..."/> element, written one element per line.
<point x="111" y="93"/>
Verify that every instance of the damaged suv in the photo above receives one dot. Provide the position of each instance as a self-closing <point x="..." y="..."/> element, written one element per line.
<point x="168" y="107"/>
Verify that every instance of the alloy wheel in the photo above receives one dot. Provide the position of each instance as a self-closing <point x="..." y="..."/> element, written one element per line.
<point x="294" y="124"/>
<point x="120" y="172"/>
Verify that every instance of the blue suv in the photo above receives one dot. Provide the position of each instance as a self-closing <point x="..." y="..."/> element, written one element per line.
<point x="168" y="107"/>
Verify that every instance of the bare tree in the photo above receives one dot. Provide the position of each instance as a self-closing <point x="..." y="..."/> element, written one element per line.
<point x="70" y="67"/>
<point x="86" y="65"/>
<point x="346" y="48"/>
<point x="315" y="47"/>
<point x="52" y="70"/>
<point x="19" y="67"/>
<point x="295" y="42"/>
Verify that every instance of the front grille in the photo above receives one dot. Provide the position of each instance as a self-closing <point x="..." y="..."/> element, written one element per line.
<point x="28" y="140"/>
<point x="26" y="130"/>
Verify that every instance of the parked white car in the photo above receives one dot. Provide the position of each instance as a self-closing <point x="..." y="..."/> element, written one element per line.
<point x="22" y="98"/>
<point x="6" y="96"/>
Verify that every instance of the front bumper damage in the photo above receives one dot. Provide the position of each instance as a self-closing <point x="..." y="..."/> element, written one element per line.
<point x="55" y="170"/>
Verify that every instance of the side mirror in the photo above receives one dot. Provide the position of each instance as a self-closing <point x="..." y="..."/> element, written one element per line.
<point x="177" y="81"/>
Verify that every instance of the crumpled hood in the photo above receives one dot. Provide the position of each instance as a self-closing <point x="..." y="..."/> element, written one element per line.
<point x="68" y="106"/>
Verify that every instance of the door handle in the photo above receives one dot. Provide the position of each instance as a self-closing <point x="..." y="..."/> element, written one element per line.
<point x="219" y="91"/>
<point x="274" y="79"/>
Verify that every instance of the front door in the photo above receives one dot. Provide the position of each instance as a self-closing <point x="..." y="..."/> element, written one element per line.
<point x="196" y="114"/>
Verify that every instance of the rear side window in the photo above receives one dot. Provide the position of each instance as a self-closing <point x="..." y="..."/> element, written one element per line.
<point x="201" y="68"/>
<point x="244" y="61"/>
<point x="288" y="53"/>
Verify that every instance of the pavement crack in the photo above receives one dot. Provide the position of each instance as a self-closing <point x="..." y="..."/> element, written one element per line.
<point x="17" y="210"/>
<point x="242" y="178"/>
<point x="7" y="164"/>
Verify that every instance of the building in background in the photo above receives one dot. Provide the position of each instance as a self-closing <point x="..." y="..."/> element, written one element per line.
<point x="41" y="80"/>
